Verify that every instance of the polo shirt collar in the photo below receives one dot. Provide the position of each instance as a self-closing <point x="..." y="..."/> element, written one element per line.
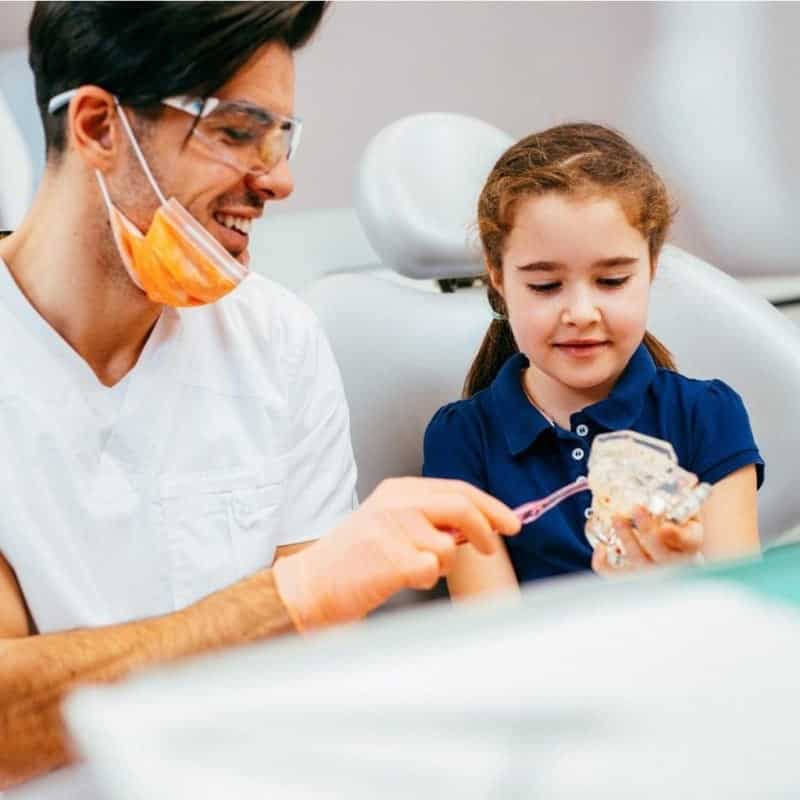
<point x="523" y="424"/>
<point x="624" y="405"/>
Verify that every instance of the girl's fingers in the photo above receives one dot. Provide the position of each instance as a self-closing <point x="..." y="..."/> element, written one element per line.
<point x="686" y="539"/>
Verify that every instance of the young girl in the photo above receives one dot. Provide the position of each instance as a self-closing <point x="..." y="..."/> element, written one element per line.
<point x="572" y="221"/>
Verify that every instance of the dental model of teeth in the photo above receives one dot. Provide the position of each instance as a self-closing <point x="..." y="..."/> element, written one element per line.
<point x="627" y="470"/>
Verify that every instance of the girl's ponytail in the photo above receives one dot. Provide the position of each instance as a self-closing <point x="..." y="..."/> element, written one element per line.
<point x="659" y="352"/>
<point x="497" y="347"/>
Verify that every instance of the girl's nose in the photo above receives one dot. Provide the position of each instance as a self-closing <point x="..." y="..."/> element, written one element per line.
<point x="580" y="310"/>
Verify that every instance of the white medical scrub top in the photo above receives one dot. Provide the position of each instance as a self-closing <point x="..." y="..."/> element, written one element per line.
<point x="229" y="438"/>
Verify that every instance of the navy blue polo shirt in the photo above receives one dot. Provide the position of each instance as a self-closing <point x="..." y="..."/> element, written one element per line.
<point x="497" y="441"/>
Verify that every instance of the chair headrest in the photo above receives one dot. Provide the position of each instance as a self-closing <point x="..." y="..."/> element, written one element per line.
<point x="417" y="190"/>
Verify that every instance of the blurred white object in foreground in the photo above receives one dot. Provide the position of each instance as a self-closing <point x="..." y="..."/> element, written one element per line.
<point x="630" y="691"/>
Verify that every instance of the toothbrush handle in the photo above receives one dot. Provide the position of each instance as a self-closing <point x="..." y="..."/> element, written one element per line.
<point x="532" y="511"/>
<point x="528" y="512"/>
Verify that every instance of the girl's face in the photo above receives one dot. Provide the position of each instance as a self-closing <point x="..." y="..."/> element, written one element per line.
<point x="576" y="283"/>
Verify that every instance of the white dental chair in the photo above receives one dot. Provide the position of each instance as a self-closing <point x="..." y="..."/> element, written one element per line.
<point x="404" y="350"/>
<point x="295" y="249"/>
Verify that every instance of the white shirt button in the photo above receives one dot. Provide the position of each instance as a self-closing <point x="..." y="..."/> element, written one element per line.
<point x="582" y="429"/>
<point x="578" y="453"/>
<point x="587" y="512"/>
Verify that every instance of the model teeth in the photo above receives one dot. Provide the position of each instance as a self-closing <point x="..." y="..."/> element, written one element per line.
<point x="241" y="224"/>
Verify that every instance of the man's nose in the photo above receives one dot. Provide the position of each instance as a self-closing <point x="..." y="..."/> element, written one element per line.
<point x="277" y="184"/>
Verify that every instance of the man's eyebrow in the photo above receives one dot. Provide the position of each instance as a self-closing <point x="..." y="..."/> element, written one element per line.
<point x="243" y="107"/>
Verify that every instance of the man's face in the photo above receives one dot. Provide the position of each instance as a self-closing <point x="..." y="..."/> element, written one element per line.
<point x="219" y="196"/>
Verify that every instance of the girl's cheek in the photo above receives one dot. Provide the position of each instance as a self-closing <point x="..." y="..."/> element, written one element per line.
<point x="627" y="317"/>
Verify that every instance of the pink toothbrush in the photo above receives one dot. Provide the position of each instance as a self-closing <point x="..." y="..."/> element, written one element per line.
<point x="528" y="512"/>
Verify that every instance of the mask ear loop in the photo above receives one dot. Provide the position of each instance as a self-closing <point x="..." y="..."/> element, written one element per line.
<point x="104" y="191"/>
<point x="139" y="154"/>
<point x="111" y="211"/>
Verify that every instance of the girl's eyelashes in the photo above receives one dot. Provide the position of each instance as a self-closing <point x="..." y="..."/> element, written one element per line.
<point x="552" y="286"/>
<point x="614" y="282"/>
<point x="544" y="288"/>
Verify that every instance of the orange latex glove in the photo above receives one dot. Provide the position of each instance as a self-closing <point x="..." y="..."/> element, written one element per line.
<point x="395" y="541"/>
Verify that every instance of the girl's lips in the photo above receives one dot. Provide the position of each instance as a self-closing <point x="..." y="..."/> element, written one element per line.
<point x="581" y="349"/>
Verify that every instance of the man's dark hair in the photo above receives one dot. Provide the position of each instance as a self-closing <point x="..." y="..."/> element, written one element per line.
<point x="145" y="51"/>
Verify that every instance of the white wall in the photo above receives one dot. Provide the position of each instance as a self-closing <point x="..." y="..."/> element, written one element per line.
<point x="521" y="66"/>
<point x="707" y="90"/>
<point x="14" y="22"/>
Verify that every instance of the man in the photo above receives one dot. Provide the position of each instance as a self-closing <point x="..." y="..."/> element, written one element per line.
<point x="159" y="458"/>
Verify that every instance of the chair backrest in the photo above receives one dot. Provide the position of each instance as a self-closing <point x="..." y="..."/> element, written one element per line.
<point x="416" y="192"/>
<point x="295" y="249"/>
<point x="404" y="351"/>
<point x="718" y="328"/>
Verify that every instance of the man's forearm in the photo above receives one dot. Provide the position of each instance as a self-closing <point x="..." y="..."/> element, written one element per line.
<point x="37" y="672"/>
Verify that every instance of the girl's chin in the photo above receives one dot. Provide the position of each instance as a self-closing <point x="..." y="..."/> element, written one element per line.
<point x="592" y="377"/>
<point x="589" y="382"/>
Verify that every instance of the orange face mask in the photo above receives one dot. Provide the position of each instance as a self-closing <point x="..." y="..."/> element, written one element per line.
<point x="177" y="262"/>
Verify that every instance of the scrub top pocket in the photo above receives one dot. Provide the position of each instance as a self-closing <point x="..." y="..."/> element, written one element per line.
<point x="218" y="528"/>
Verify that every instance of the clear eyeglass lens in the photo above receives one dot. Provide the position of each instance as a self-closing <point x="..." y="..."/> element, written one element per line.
<point x="249" y="139"/>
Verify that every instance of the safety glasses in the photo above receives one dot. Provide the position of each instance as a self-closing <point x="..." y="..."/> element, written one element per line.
<point x="243" y="135"/>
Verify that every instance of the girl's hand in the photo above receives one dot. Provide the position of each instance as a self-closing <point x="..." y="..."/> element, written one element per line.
<point x="646" y="541"/>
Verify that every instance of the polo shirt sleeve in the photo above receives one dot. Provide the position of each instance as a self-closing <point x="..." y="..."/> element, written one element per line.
<point x="721" y="435"/>
<point x="321" y="476"/>
<point x="453" y="446"/>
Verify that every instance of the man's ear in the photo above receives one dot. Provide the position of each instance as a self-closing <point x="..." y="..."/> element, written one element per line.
<point x="94" y="127"/>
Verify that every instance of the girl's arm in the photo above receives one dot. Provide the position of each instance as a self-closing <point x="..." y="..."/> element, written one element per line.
<point x="724" y="453"/>
<point x="477" y="574"/>
<point x="730" y="516"/>
<point x="453" y="449"/>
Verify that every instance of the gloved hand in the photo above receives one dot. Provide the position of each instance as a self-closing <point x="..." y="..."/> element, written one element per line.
<point x="646" y="540"/>
<point x="395" y="541"/>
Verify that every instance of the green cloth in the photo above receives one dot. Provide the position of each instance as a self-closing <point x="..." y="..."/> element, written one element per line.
<point x="775" y="576"/>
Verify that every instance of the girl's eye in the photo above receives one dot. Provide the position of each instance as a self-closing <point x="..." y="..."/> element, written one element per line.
<point x="545" y="288"/>
<point x="614" y="283"/>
